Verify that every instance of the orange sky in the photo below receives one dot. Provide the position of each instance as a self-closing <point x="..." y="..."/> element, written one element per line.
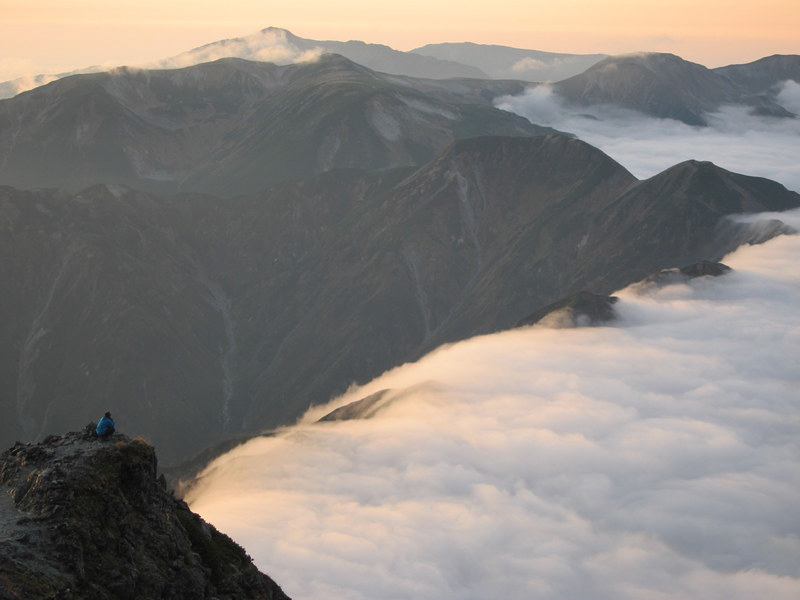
<point x="39" y="36"/>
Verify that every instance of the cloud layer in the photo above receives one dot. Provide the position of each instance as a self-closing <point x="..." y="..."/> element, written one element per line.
<point x="656" y="459"/>
<point x="735" y="140"/>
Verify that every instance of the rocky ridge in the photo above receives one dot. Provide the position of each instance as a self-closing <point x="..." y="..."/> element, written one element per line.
<point x="83" y="518"/>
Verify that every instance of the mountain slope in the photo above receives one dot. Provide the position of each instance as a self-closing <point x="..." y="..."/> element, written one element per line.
<point x="235" y="126"/>
<point x="194" y="318"/>
<point x="687" y="228"/>
<point x="102" y="306"/>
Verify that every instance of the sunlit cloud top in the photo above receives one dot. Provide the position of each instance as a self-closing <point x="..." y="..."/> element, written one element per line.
<point x="657" y="458"/>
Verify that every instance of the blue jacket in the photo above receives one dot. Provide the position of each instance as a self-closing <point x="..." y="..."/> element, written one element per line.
<point x="104" y="425"/>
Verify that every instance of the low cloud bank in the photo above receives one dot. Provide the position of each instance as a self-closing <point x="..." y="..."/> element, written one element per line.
<point x="789" y="96"/>
<point x="9" y="89"/>
<point x="735" y="140"/>
<point x="658" y="458"/>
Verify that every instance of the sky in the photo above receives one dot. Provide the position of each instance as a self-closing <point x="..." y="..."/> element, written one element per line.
<point x="657" y="458"/>
<point x="52" y="36"/>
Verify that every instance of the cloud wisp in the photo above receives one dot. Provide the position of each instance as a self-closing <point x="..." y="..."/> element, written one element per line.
<point x="735" y="140"/>
<point x="266" y="46"/>
<point x="658" y="458"/>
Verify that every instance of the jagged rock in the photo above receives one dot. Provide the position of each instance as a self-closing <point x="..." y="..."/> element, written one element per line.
<point x="369" y="406"/>
<point x="87" y="518"/>
<point x="704" y="268"/>
<point x="583" y="308"/>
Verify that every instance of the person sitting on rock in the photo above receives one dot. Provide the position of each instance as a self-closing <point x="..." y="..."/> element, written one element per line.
<point x="105" y="427"/>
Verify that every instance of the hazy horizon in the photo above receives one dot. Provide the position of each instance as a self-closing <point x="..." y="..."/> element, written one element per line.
<point x="49" y="37"/>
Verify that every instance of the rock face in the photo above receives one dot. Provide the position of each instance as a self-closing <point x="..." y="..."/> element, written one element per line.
<point x="583" y="308"/>
<point x="88" y="519"/>
<point x="193" y="318"/>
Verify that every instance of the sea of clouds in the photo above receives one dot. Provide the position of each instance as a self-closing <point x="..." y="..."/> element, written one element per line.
<point x="657" y="458"/>
<point x="734" y="140"/>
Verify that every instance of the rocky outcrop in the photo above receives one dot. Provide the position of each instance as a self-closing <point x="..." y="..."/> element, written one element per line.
<point x="704" y="268"/>
<point x="581" y="309"/>
<point x="83" y="518"/>
<point x="586" y="308"/>
<point x="360" y="409"/>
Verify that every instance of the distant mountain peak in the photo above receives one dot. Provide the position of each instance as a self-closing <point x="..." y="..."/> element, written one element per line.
<point x="504" y="62"/>
<point x="281" y="46"/>
<point x="646" y="56"/>
<point x="279" y="30"/>
<point x="238" y="125"/>
<point x="658" y="84"/>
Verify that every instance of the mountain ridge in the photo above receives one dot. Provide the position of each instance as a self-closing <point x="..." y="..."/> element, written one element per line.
<point x="236" y="126"/>
<point x="281" y="46"/>
<point x="221" y="301"/>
